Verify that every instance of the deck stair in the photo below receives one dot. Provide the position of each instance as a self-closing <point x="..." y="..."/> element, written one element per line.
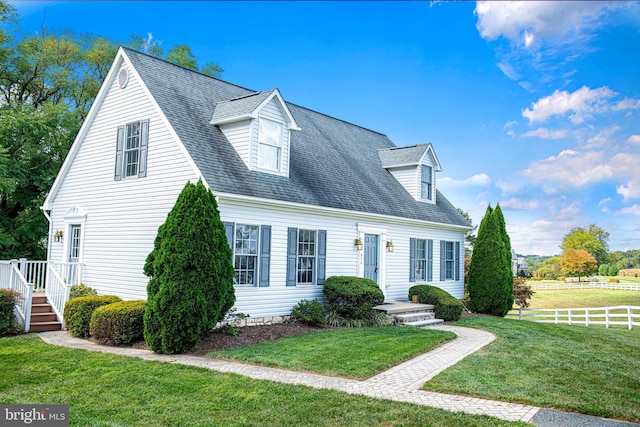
<point x="406" y="313"/>
<point x="43" y="318"/>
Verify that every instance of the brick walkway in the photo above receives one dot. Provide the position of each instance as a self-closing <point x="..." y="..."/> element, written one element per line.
<point x="401" y="383"/>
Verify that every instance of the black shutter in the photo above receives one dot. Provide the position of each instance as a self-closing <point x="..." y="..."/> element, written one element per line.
<point x="457" y="258"/>
<point x="119" y="153"/>
<point x="292" y="252"/>
<point x="322" y="256"/>
<point x="144" y="144"/>
<point x="412" y="260"/>
<point x="443" y="249"/>
<point x="265" y="254"/>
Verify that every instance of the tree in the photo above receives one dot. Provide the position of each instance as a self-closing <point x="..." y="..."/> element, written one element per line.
<point x="592" y="239"/>
<point x="578" y="262"/>
<point x="191" y="274"/>
<point x="490" y="280"/>
<point x="549" y="269"/>
<point x="469" y="236"/>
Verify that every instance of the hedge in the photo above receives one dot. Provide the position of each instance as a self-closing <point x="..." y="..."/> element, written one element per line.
<point x="81" y="290"/>
<point x="8" y="320"/>
<point x="78" y="311"/>
<point x="118" y="323"/>
<point x="446" y="306"/>
<point x="352" y="297"/>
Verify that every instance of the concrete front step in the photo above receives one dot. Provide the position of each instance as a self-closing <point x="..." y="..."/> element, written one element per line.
<point x="420" y="323"/>
<point x="414" y="317"/>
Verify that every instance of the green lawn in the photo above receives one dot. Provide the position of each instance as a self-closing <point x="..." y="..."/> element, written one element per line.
<point x="353" y="353"/>
<point x="109" y="390"/>
<point x="576" y="298"/>
<point x="590" y="370"/>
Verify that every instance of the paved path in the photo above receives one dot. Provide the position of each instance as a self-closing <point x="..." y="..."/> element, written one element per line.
<point x="401" y="383"/>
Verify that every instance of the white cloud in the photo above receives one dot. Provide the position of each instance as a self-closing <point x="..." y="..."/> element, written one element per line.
<point x="631" y="210"/>
<point x="476" y="180"/>
<point x="603" y="137"/>
<point x="634" y="139"/>
<point x="519" y="204"/>
<point x="545" y="133"/>
<point x="583" y="103"/>
<point x="527" y="21"/>
<point x="573" y="168"/>
<point x="508" y="71"/>
<point x="626" y="166"/>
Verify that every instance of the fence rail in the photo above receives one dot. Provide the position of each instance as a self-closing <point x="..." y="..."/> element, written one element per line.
<point x="626" y="315"/>
<point x="12" y="278"/>
<point x="623" y="286"/>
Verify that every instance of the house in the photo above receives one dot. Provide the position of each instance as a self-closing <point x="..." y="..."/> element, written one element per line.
<point x="519" y="265"/>
<point x="303" y="196"/>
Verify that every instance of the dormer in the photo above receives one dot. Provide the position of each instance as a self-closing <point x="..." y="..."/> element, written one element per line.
<point x="259" y="127"/>
<point x="415" y="168"/>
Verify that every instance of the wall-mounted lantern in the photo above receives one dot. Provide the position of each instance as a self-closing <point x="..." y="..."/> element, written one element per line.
<point x="57" y="236"/>
<point x="358" y="244"/>
<point x="389" y="246"/>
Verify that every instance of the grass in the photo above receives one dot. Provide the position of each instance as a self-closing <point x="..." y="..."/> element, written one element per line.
<point x="110" y="390"/>
<point x="574" y="368"/>
<point x="577" y="298"/>
<point x="353" y="353"/>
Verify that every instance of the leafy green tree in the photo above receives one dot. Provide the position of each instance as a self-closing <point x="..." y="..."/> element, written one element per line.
<point x="191" y="274"/>
<point x="578" y="262"/>
<point x="592" y="239"/>
<point x="549" y="269"/>
<point x="490" y="280"/>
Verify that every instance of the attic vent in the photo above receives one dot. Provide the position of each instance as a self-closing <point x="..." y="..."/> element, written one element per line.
<point x="123" y="78"/>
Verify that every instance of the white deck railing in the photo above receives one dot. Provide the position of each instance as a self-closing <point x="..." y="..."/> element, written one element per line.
<point x="622" y="286"/>
<point x="12" y="278"/>
<point x="619" y="315"/>
<point x="55" y="278"/>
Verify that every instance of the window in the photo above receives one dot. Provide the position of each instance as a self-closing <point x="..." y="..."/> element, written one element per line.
<point x="449" y="260"/>
<point x="306" y="257"/>
<point x="251" y="249"/>
<point x="425" y="184"/>
<point x="421" y="260"/>
<point x="269" y="144"/>
<point x="131" y="150"/>
<point x="246" y="254"/>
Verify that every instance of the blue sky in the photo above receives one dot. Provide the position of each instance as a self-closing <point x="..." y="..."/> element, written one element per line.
<point x="533" y="105"/>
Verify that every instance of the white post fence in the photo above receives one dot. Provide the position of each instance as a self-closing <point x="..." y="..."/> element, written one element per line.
<point x="57" y="292"/>
<point x="628" y="316"/>
<point x="11" y="277"/>
<point x="621" y="286"/>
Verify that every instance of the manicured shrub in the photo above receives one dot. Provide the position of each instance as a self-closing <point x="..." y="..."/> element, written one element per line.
<point x="352" y="297"/>
<point x="77" y="312"/>
<point x="490" y="281"/>
<point x="446" y="306"/>
<point x="118" y="323"/>
<point x="521" y="292"/>
<point x="375" y="318"/>
<point x="81" y="290"/>
<point x="8" y="320"/>
<point x="191" y="274"/>
<point x="310" y="312"/>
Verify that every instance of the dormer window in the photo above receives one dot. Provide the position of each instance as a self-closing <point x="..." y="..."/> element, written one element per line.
<point x="269" y="144"/>
<point x="426" y="189"/>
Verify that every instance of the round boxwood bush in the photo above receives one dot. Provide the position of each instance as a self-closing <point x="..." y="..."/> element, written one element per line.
<point x="118" y="323"/>
<point x="78" y="311"/>
<point x="446" y="306"/>
<point x="81" y="290"/>
<point x="310" y="312"/>
<point x="352" y="297"/>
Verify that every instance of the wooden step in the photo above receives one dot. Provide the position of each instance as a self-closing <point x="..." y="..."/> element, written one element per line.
<point x="40" y="308"/>
<point x="420" y="323"/>
<point x="43" y="317"/>
<point x="45" y="326"/>
<point x="38" y="298"/>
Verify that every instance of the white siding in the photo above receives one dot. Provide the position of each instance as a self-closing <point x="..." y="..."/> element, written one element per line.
<point x="122" y="216"/>
<point x="272" y="111"/>
<point x="239" y="135"/>
<point x="407" y="177"/>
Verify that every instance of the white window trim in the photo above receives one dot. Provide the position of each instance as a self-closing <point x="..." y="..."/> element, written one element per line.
<point x="453" y="261"/>
<point x="426" y="261"/>
<point x="280" y="146"/>
<point x="432" y="199"/>
<point x="233" y="249"/>
<point x="74" y="216"/>
<point x="124" y="149"/>
<point x="315" y="256"/>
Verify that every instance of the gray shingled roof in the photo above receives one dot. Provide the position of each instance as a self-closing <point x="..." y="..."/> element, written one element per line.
<point x="332" y="163"/>
<point x="402" y="156"/>
<point x="241" y="106"/>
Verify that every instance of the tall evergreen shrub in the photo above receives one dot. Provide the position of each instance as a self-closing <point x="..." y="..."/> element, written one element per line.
<point x="490" y="281"/>
<point x="191" y="274"/>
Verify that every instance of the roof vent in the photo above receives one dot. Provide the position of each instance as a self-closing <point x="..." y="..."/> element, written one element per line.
<point x="123" y="78"/>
